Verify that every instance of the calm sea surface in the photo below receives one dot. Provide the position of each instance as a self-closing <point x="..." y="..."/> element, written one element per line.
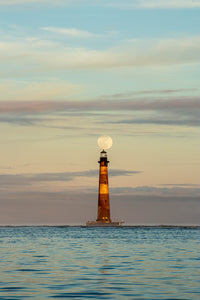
<point x="99" y="263"/>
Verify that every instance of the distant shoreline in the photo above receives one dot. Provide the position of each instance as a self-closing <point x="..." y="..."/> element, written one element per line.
<point x="122" y="226"/>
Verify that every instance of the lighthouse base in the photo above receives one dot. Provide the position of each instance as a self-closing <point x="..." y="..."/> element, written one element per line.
<point x="104" y="224"/>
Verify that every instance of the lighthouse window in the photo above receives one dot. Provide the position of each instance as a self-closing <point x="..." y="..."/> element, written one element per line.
<point x="105" y="181"/>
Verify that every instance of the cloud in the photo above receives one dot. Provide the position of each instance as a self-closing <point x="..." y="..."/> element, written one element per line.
<point x="133" y="53"/>
<point x="8" y="180"/>
<point x="18" y="2"/>
<point x="179" y="190"/>
<point x="80" y="205"/>
<point x="73" y="32"/>
<point x="162" y="121"/>
<point x="47" y="2"/>
<point x="179" y="103"/>
<point x="128" y="4"/>
<point x="120" y="172"/>
<point x="21" y="120"/>
<point x="180" y="185"/>
<point x="169" y="3"/>
<point x="44" y="90"/>
<point x="153" y="4"/>
<point x="17" y="182"/>
<point x="176" y="111"/>
<point x="149" y="92"/>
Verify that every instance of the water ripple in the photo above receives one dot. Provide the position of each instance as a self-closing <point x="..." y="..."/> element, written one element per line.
<point x="99" y="263"/>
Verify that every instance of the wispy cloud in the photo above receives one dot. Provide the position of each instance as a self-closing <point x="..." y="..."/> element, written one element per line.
<point x="177" y="111"/>
<point x="29" y="179"/>
<point x="179" y="103"/>
<point x="180" y="185"/>
<point x="133" y="53"/>
<point x="179" y="190"/>
<point x="127" y="4"/>
<point x="184" y="121"/>
<point x="149" y="93"/>
<point x="79" y="206"/>
<point x="73" y="32"/>
<point x="153" y="4"/>
<point x="43" y="90"/>
<point x="169" y="3"/>
<point x="18" y="2"/>
<point x="23" y="182"/>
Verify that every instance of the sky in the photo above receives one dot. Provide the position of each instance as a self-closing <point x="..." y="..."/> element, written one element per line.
<point x="71" y="71"/>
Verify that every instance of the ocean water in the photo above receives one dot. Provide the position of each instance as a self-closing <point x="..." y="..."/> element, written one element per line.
<point x="99" y="263"/>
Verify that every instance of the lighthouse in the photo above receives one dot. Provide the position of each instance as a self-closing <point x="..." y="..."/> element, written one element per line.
<point x="103" y="212"/>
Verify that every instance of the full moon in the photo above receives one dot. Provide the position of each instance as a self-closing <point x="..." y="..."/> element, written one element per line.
<point x="104" y="142"/>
